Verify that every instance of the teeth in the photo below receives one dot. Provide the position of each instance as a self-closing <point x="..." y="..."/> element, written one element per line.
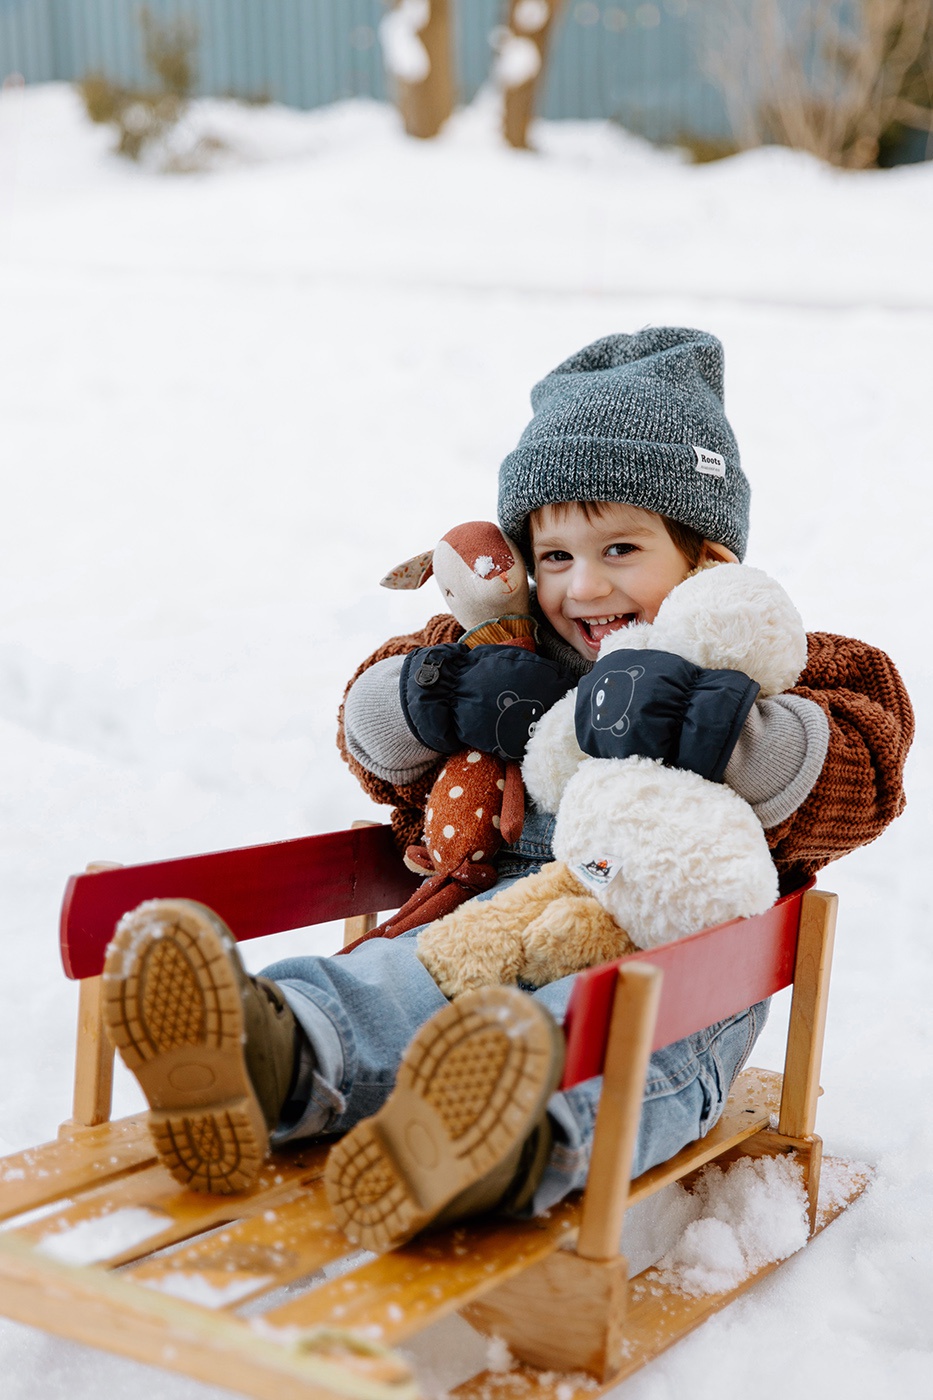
<point x="602" y="621"/>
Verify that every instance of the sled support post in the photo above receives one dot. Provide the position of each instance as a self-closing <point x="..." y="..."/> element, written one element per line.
<point x="358" y="925"/>
<point x="805" y="1035"/>
<point x="567" y="1312"/>
<point x="93" y="1087"/>
<point x="634" y="1011"/>
<point x="92" y="1099"/>
<point x="562" y="1314"/>
<point x="808" y="1014"/>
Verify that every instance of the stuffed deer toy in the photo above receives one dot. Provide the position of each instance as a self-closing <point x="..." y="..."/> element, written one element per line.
<point x="645" y="853"/>
<point x="478" y="799"/>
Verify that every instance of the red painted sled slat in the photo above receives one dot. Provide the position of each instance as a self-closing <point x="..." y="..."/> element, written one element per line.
<point x="256" y="890"/>
<point x="707" y="977"/>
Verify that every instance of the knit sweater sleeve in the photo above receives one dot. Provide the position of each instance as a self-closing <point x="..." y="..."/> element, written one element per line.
<point x="407" y="799"/>
<point x="860" y="787"/>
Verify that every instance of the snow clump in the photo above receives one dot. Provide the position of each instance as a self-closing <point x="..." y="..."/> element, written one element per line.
<point x="403" y="51"/>
<point x="517" y="62"/>
<point x="531" y="15"/>
<point x="753" y="1214"/>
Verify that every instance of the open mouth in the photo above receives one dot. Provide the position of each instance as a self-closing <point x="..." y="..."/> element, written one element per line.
<point x="594" y="630"/>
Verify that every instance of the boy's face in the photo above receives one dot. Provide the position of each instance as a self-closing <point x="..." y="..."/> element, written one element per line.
<point x="595" y="576"/>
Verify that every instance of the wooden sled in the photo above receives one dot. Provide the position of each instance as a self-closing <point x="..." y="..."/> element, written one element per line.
<point x="101" y="1245"/>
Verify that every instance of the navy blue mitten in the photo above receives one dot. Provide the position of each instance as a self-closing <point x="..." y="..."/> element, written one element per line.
<point x="658" y="705"/>
<point x="488" y="697"/>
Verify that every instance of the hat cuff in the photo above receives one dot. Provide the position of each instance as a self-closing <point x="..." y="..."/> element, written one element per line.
<point x="660" y="477"/>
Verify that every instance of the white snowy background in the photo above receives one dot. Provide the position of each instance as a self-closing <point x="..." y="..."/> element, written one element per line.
<point x="230" y="401"/>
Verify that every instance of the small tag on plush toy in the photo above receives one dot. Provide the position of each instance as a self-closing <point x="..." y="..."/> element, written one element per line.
<point x="598" y="872"/>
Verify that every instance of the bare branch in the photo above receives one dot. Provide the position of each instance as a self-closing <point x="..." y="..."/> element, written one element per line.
<point x="834" y="83"/>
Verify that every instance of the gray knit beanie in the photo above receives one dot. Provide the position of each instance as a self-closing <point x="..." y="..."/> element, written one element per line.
<point x="637" y="419"/>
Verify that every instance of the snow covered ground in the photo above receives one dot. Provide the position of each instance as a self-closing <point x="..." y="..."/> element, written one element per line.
<point x="229" y="402"/>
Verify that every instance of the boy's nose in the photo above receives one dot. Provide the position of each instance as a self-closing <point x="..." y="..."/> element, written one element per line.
<point x="588" y="583"/>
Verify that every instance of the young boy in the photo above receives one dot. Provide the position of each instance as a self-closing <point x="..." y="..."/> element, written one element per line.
<point x="627" y="478"/>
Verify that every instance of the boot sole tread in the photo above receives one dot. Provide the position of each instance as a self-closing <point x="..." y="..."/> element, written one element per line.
<point x="374" y="1191"/>
<point x="173" y="1009"/>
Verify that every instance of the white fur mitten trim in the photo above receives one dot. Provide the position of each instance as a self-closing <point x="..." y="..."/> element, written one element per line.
<point x="666" y="852"/>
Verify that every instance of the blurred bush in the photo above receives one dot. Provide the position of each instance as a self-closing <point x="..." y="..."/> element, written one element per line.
<point x="147" y="120"/>
<point x="847" y="80"/>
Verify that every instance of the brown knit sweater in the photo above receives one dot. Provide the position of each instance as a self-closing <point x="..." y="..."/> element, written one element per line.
<point x="859" y="791"/>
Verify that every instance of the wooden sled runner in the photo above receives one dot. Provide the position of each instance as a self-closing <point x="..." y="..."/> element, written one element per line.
<point x="246" y="1291"/>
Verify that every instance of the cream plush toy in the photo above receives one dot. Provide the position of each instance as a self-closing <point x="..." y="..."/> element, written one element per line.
<point x="645" y="853"/>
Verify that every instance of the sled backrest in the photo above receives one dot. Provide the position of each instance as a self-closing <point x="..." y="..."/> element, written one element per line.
<point x="256" y="890"/>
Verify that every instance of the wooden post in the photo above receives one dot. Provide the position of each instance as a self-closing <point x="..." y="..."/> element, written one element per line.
<point x="563" y="1313"/>
<point x="808" y="1014"/>
<point x="567" y="1312"/>
<point x="358" y="925"/>
<point x="93" y="1086"/>
<point x="805" y="1033"/>
<point x="530" y="26"/>
<point x="634" y="1012"/>
<point x="426" y="102"/>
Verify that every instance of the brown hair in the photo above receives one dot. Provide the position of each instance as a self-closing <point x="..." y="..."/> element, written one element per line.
<point x="689" y="541"/>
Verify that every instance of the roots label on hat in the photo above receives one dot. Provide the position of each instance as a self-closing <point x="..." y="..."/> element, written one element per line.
<point x="709" y="463"/>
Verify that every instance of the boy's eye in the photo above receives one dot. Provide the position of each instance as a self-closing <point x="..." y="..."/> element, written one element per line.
<point x="617" y="550"/>
<point x="555" y="556"/>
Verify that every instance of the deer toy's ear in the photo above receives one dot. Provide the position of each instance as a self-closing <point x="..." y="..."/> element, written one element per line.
<point x="412" y="574"/>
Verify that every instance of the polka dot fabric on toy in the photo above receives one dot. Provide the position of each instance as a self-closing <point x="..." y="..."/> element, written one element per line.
<point x="462" y="821"/>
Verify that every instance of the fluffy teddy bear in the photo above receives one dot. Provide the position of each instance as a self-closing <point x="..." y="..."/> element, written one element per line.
<point x="644" y="853"/>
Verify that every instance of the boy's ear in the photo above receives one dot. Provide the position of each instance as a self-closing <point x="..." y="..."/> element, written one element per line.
<point x="717" y="554"/>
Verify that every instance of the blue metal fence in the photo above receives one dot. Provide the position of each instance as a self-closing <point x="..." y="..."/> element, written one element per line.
<point x="636" y="61"/>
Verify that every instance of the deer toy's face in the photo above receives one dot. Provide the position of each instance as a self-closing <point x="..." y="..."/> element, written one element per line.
<point x="479" y="571"/>
<point x="479" y="574"/>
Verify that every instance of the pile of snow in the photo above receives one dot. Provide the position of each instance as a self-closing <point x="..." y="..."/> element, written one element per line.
<point x="750" y="1214"/>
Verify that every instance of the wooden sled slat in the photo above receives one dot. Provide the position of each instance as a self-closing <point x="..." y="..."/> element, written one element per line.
<point x="180" y="1213"/>
<point x="286" y="1239"/>
<point x="90" y="1305"/>
<point x="285" y="1233"/>
<point x="399" y="1293"/>
<point x="74" y="1162"/>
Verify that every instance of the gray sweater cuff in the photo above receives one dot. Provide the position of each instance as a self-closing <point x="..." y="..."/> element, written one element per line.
<point x="375" y="729"/>
<point x="779" y="756"/>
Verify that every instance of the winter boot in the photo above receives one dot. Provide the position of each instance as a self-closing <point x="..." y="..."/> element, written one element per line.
<point x="213" y="1048"/>
<point x="465" y="1130"/>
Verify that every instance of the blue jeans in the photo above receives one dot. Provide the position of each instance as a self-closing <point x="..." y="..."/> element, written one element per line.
<point x="360" y="1010"/>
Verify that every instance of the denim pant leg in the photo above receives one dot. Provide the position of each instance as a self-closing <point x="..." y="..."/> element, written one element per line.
<point x="358" y="1010"/>
<point x="686" y="1088"/>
